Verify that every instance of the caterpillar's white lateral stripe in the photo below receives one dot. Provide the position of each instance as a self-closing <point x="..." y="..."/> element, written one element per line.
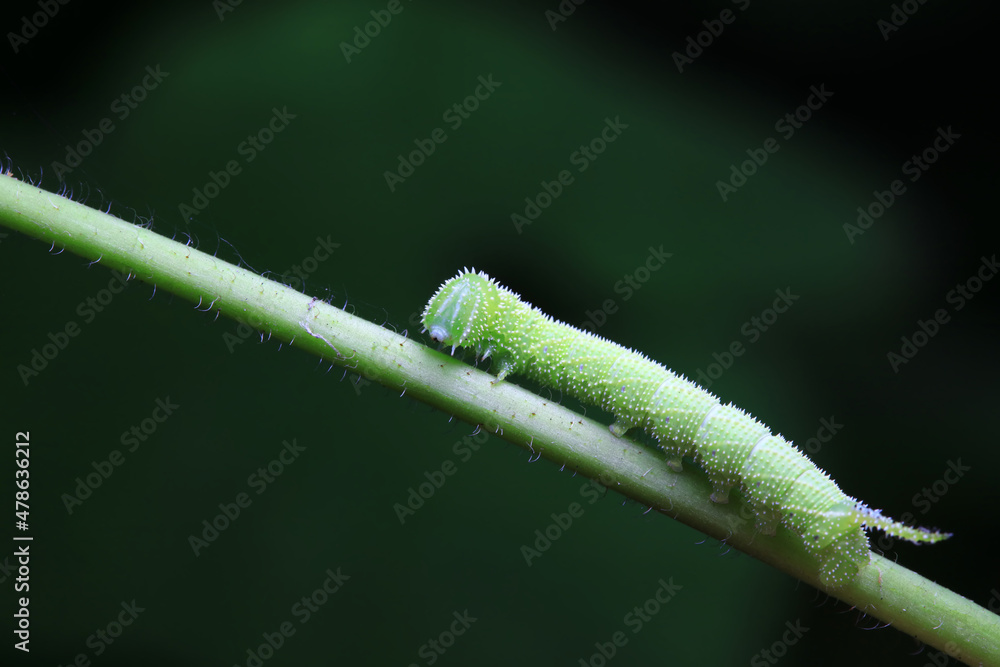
<point x="611" y="371"/>
<point x="704" y="422"/>
<point x="656" y="394"/>
<point x="756" y="445"/>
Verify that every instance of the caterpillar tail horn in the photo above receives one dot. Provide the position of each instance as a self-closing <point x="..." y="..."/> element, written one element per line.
<point x="875" y="519"/>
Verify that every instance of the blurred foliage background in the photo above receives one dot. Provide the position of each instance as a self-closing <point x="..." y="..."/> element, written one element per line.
<point x="321" y="179"/>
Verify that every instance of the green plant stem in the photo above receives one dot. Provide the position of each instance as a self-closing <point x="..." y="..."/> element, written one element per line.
<point x="884" y="590"/>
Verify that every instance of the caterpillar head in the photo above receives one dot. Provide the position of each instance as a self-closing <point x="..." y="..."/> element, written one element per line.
<point x="460" y="312"/>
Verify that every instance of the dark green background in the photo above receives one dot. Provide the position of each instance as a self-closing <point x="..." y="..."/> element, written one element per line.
<point x="365" y="447"/>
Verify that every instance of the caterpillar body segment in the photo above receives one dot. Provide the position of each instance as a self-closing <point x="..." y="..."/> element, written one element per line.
<point x="780" y="484"/>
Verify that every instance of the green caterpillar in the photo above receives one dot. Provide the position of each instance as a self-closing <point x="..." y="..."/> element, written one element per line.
<point x="781" y="484"/>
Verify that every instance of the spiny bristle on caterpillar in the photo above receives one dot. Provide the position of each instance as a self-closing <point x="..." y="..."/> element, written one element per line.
<point x="873" y="518"/>
<point x="780" y="484"/>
